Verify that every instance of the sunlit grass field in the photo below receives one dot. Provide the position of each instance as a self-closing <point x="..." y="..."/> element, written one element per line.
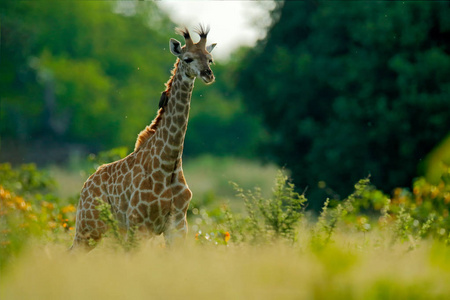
<point x="347" y="269"/>
<point x="241" y="244"/>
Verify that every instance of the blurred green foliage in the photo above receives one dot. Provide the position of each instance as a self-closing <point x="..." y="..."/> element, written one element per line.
<point x="437" y="161"/>
<point x="29" y="209"/>
<point x="91" y="72"/>
<point x="26" y="179"/>
<point x="79" y="71"/>
<point x="351" y="90"/>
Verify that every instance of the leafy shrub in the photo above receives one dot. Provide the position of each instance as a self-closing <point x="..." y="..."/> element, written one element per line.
<point x="347" y="211"/>
<point x="268" y="219"/>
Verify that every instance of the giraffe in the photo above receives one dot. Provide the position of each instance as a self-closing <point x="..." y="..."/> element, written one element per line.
<point x="147" y="189"/>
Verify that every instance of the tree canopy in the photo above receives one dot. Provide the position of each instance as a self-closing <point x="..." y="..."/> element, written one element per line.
<point x="91" y="72"/>
<point x="347" y="91"/>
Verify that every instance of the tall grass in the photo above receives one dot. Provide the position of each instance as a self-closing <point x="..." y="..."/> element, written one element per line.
<point x="343" y="270"/>
<point x="369" y="246"/>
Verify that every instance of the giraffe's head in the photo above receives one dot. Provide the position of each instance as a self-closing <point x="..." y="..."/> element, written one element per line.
<point x="195" y="59"/>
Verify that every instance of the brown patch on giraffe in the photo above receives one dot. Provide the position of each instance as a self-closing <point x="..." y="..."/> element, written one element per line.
<point x="153" y="211"/>
<point x="166" y="207"/>
<point x="123" y="205"/>
<point x="120" y="178"/>
<point x="96" y="191"/>
<point x="130" y="160"/>
<point x="168" y="155"/>
<point x="119" y="189"/>
<point x="158" y="188"/>
<point x="124" y="168"/>
<point x="147" y="159"/>
<point x="148" y="197"/>
<point x="180" y="177"/>
<point x="142" y="208"/>
<point x="179" y="107"/>
<point x="177" y="189"/>
<point x="153" y="152"/>
<point x="173" y="128"/>
<point x="84" y="193"/>
<point x="90" y="223"/>
<point x="135" y="200"/>
<point x="105" y="177"/>
<point x="156" y="163"/>
<point x="179" y="135"/>
<point x="137" y="169"/>
<point x="181" y="119"/>
<point x="166" y="195"/>
<point x="164" y="134"/>
<point x="139" y="156"/>
<point x="159" y="145"/>
<point x="127" y="179"/>
<point x="167" y="167"/>
<point x="146" y="184"/>
<point x="137" y="182"/>
<point x="158" y="176"/>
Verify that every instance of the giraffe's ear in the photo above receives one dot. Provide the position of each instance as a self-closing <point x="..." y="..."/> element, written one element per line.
<point x="175" y="47"/>
<point x="210" y="47"/>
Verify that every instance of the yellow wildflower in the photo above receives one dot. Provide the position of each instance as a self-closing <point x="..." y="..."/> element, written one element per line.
<point x="4" y="194"/>
<point x="227" y="236"/>
<point x="68" y="208"/>
<point x="48" y="205"/>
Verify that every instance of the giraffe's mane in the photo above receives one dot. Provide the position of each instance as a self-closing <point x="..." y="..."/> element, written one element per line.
<point x="168" y="84"/>
<point x="148" y="131"/>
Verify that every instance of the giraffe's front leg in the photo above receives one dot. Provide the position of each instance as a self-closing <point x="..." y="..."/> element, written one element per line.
<point x="181" y="198"/>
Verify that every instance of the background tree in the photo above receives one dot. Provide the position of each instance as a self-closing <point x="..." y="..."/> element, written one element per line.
<point x="89" y="73"/>
<point x="351" y="90"/>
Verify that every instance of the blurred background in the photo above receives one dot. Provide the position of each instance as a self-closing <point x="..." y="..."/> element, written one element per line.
<point x="331" y="92"/>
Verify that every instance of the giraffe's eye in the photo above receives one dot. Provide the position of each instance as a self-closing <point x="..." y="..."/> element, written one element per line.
<point x="188" y="60"/>
<point x="210" y="61"/>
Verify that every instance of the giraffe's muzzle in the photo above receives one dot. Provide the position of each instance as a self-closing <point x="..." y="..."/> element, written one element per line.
<point x="207" y="76"/>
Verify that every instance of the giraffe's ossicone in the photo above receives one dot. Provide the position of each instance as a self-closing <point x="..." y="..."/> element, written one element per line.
<point x="147" y="189"/>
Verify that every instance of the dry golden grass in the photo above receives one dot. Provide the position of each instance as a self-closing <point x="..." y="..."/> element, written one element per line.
<point x="343" y="270"/>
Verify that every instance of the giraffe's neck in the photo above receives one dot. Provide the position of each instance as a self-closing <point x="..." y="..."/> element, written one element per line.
<point x="171" y="131"/>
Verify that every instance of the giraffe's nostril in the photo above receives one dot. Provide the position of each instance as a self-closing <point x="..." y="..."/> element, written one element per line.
<point x="206" y="72"/>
